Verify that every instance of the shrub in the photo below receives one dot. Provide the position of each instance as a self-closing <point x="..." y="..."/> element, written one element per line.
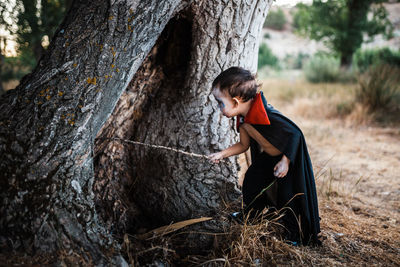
<point x="379" y="88"/>
<point x="347" y="75"/>
<point x="295" y="61"/>
<point x="344" y="108"/>
<point x="275" y="20"/>
<point x="265" y="57"/>
<point x="322" y="68"/>
<point x="363" y="59"/>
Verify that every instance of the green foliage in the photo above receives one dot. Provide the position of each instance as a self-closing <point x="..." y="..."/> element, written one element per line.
<point x="341" y="24"/>
<point x="379" y="88"/>
<point x="322" y="68"/>
<point x="275" y="20"/>
<point x="266" y="57"/>
<point x="300" y="17"/>
<point x="364" y="59"/>
<point x="29" y="21"/>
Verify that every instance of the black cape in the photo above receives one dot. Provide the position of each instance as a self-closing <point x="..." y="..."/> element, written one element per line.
<point x="289" y="139"/>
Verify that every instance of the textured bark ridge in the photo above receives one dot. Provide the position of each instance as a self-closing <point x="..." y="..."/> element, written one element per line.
<point x="63" y="190"/>
<point x="177" y="110"/>
<point x="49" y="122"/>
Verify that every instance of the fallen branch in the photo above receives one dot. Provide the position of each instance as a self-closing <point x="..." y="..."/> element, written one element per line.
<point x="163" y="230"/>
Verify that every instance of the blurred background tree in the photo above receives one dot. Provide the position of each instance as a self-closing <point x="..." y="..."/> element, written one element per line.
<point x="276" y="20"/>
<point x="342" y="24"/>
<point x="31" y="24"/>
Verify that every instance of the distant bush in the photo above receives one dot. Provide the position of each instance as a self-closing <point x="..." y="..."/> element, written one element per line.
<point x="275" y="20"/>
<point x="295" y="61"/>
<point x="379" y="88"/>
<point x="267" y="35"/>
<point x="322" y="68"/>
<point x="344" y="108"/>
<point x="347" y="75"/>
<point x="266" y="57"/>
<point x="364" y="59"/>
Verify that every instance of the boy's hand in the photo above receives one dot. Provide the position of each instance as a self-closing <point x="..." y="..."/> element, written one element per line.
<point x="282" y="167"/>
<point x="215" y="157"/>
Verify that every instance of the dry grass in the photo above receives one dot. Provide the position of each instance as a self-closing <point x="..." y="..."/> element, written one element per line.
<point x="259" y="244"/>
<point x="324" y="100"/>
<point x="354" y="232"/>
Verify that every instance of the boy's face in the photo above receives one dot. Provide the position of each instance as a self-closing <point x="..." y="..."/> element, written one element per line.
<point x="226" y="104"/>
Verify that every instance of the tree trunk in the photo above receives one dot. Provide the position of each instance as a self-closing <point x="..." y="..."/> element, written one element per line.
<point x="345" y="60"/>
<point x="1" y="69"/>
<point x="63" y="191"/>
<point x="350" y="42"/>
<point x="180" y="113"/>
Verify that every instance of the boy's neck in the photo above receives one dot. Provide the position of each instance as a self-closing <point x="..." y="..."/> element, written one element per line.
<point x="245" y="107"/>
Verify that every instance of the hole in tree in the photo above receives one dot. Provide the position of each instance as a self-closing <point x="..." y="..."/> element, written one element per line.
<point x="161" y="79"/>
<point x="172" y="59"/>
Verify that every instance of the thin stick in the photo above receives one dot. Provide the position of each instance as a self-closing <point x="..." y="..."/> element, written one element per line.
<point x="190" y="154"/>
<point x="161" y="147"/>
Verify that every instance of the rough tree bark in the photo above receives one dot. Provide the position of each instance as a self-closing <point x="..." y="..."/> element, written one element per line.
<point x="58" y="185"/>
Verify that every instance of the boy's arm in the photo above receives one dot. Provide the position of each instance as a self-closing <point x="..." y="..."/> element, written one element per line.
<point x="282" y="167"/>
<point x="265" y="145"/>
<point x="235" y="149"/>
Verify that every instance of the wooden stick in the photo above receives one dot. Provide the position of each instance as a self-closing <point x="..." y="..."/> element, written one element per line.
<point x="190" y="154"/>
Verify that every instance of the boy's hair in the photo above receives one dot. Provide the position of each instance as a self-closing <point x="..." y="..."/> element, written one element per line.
<point x="238" y="82"/>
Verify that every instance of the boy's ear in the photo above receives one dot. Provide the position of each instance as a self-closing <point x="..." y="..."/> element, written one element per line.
<point x="236" y="100"/>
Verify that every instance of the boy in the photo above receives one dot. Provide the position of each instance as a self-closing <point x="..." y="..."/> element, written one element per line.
<point x="278" y="151"/>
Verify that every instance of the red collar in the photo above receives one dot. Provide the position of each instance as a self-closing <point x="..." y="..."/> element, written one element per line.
<point x="256" y="113"/>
